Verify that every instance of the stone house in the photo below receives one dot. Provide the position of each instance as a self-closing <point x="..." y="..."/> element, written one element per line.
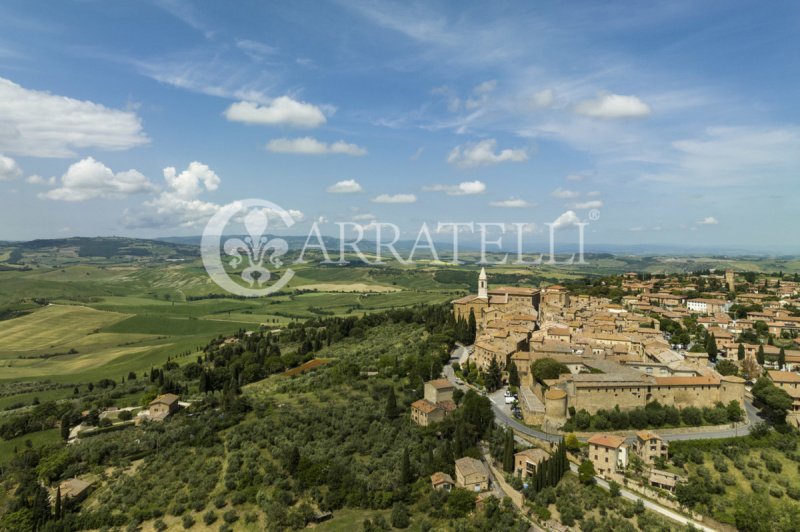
<point x="608" y="453"/>
<point x="442" y="481"/>
<point x="649" y="446"/>
<point x="471" y="474"/>
<point x="163" y="406"/>
<point x="526" y="462"/>
<point x="424" y="412"/>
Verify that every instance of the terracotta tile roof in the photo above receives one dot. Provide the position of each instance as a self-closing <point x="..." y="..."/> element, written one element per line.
<point x="439" y="478"/>
<point x="466" y="299"/>
<point x="687" y="381"/>
<point x="784" y="376"/>
<point x="514" y="290"/>
<point x="468" y="466"/>
<point x="447" y="406"/>
<point x="424" y="406"/>
<point x="440" y="383"/>
<point x="647" y="435"/>
<point x="607" y="440"/>
<point x="167" y="399"/>
<point x="534" y="454"/>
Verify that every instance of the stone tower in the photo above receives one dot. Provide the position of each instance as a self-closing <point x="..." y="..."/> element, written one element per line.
<point x="483" y="287"/>
<point x="729" y="280"/>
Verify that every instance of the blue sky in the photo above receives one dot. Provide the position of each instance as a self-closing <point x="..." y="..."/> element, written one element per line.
<point x="677" y="121"/>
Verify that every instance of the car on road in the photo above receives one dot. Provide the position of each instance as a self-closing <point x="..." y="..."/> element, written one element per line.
<point x="459" y="382"/>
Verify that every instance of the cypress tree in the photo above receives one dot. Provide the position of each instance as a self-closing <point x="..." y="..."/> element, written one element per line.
<point x="58" y="510"/>
<point x="391" y="405"/>
<point x="781" y="359"/>
<point x="711" y="347"/>
<point x="65" y="420"/>
<point x="740" y="352"/>
<point x="405" y="469"/>
<point x="473" y="326"/>
<point x="513" y="375"/>
<point x="508" y="452"/>
<point x="760" y="354"/>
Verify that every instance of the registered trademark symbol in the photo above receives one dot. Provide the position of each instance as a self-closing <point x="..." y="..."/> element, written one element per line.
<point x="594" y="215"/>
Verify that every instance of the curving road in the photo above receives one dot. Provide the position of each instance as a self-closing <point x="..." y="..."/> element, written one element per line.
<point x="502" y="418"/>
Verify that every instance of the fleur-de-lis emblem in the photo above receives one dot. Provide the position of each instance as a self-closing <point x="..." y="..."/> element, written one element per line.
<point x="255" y="247"/>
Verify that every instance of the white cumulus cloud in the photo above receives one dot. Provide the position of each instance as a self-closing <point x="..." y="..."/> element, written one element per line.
<point x="40" y="124"/>
<point x="510" y="203"/>
<point x="348" y="186"/>
<point x="89" y="179"/>
<point x="563" y="193"/>
<point x="39" y="180"/>
<point x="396" y="198"/>
<point x="543" y="98"/>
<point x="280" y="111"/>
<point x="566" y="220"/>
<point x="9" y="169"/>
<point x="312" y="146"/>
<point x="484" y="153"/>
<point x="178" y="205"/>
<point x="708" y="220"/>
<point x="466" y="188"/>
<point x="592" y="204"/>
<point x="613" y="106"/>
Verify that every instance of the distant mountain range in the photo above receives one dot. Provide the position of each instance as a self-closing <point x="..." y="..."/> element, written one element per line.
<point x="187" y="246"/>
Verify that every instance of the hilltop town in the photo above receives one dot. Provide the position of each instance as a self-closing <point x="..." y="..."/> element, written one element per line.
<point x="684" y="341"/>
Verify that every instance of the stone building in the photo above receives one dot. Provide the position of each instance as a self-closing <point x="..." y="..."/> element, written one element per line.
<point x="471" y="474"/>
<point x="163" y="406"/>
<point x="424" y="412"/>
<point x="608" y="453"/>
<point x="649" y="446"/>
<point x="526" y="462"/>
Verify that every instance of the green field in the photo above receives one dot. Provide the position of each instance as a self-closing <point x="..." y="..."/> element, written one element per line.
<point x="80" y="310"/>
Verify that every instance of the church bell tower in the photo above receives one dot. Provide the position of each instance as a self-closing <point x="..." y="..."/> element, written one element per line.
<point x="483" y="288"/>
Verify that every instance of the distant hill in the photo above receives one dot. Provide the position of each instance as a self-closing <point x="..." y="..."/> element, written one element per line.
<point x="121" y="248"/>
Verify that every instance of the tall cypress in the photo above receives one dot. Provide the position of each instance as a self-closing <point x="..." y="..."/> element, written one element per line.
<point x="405" y="469"/>
<point x="473" y="326"/>
<point x="58" y="511"/>
<point x="508" y="452"/>
<point x="391" y="404"/>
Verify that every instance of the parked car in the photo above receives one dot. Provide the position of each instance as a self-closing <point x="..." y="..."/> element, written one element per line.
<point x="510" y="399"/>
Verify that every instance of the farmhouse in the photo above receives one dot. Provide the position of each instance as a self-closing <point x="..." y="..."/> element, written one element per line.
<point x="649" y="446"/>
<point x="471" y="474"/>
<point x="442" y="481"/>
<point x="608" y="453"/>
<point x="163" y="406"/>
<point x="424" y="412"/>
<point x="526" y="462"/>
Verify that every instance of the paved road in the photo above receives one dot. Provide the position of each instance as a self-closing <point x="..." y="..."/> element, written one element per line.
<point x="650" y="505"/>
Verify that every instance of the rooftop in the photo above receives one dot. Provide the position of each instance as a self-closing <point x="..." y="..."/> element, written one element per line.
<point x="607" y="440"/>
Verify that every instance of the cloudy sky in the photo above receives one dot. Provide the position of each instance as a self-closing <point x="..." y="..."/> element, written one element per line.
<point x="670" y="122"/>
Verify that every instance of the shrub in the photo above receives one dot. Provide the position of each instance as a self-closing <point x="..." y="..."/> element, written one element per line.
<point x="230" y="516"/>
<point x="776" y="491"/>
<point x="188" y="521"/>
<point x="210" y="517"/>
<point x="692" y="416"/>
<point x="400" y="517"/>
